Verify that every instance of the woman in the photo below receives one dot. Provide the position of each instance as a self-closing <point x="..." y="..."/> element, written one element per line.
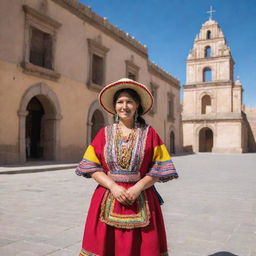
<point x="126" y="159"/>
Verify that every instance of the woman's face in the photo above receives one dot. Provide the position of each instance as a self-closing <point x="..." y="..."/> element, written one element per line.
<point x="125" y="107"/>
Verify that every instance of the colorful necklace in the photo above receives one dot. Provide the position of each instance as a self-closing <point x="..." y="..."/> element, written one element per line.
<point x="124" y="147"/>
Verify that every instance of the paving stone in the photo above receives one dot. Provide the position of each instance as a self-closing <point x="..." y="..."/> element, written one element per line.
<point x="210" y="209"/>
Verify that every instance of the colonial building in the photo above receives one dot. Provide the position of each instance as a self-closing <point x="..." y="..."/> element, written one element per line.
<point x="213" y="118"/>
<point x="55" y="57"/>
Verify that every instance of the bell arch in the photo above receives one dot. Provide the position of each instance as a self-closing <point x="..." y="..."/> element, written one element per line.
<point x="206" y="104"/>
<point x="96" y="120"/>
<point x="40" y="96"/>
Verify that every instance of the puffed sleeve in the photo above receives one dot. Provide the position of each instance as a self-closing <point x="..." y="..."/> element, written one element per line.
<point x="162" y="165"/>
<point x="91" y="162"/>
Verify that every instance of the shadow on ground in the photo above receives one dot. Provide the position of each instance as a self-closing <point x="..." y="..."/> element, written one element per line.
<point x="223" y="254"/>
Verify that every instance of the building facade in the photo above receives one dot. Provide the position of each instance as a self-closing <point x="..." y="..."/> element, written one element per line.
<point x="55" y="57"/>
<point x="213" y="118"/>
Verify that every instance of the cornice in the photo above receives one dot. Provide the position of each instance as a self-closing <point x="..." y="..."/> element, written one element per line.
<point x="209" y="59"/>
<point x="208" y="84"/>
<point x="85" y="13"/>
<point x="213" y="117"/>
<point x="157" y="71"/>
<point x="212" y="40"/>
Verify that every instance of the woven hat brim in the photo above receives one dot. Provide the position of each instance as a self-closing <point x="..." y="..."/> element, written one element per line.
<point x="107" y="94"/>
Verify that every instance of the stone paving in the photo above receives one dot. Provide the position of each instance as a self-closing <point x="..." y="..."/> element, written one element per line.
<point x="209" y="211"/>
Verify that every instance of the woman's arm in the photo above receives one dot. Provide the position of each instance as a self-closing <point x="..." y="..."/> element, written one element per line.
<point x="119" y="193"/>
<point x="141" y="185"/>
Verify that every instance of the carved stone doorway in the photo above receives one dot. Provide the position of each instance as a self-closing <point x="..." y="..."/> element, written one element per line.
<point x="205" y="140"/>
<point x="39" y="124"/>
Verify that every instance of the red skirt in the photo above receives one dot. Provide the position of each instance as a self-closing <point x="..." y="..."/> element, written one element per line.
<point x="146" y="239"/>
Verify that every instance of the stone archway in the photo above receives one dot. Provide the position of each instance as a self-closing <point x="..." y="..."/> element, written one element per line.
<point x="96" y="120"/>
<point x="41" y="99"/>
<point x="172" y="142"/>
<point x="97" y="123"/>
<point x="205" y="140"/>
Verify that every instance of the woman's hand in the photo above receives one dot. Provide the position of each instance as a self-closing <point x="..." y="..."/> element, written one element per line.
<point x="120" y="194"/>
<point x="133" y="193"/>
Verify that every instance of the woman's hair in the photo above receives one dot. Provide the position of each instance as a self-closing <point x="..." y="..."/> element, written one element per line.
<point x="136" y="97"/>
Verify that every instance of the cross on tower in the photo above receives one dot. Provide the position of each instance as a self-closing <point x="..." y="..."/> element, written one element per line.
<point x="211" y="12"/>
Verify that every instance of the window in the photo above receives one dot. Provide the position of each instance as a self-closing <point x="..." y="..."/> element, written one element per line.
<point x="97" y="69"/>
<point x="208" y="34"/>
<point x="132" y="70"/>
<point x="206" y="104"/>
<point x="97" y="64"/>
<point x="207" y="75"/>
<point x="207" y="51"/>
<point x="153" y="90"/>
<point x="40" y="49"/>
<point x="170" y="106"/>
<point x="40" y="42"/>
<point x="132" y="76"/>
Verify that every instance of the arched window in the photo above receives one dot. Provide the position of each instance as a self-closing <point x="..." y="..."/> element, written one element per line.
<point x="207" y="75"/>
<point x="206" y="104"/>
<point x="208" y="34"/>
<point x="207" y="51"/>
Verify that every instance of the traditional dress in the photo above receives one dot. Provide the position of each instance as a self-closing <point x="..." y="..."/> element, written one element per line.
<point x="113" y="229"/>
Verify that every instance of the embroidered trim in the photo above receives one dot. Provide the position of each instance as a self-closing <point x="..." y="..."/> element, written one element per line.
<point x="116" y="172"/>
<point x="86" y="253"/>
<point x="107" y="215"/>
<point x="165" y="170"/>
<point x="86" y="167"/>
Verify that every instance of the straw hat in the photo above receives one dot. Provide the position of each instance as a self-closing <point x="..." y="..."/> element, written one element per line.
<point x="107" y="94"/>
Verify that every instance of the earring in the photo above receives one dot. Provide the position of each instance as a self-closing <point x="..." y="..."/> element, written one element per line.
<point x="136" y="116"/>
<point x="116" y="118"/>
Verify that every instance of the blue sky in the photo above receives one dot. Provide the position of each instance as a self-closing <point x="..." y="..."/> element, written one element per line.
<point x="168" y="28"/>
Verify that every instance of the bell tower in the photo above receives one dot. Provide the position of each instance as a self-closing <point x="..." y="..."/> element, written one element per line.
<point x="212" y="106"/>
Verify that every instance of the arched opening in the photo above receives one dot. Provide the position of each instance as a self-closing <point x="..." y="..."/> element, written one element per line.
<point x="40" y="129"/>
<point x="39" y="124"/>
<point x="206" y="104"/>
<point x="207" y="52"/>
<point x="205" y="140"/>
<point x="207" y="75"/>
<point x="172" y="142"/>
<point x="34" y="147"/>
<point x="97" y="123"/>
<point x="208" y="34"/>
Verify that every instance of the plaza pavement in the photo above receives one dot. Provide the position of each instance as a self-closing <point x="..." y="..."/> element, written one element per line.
<point x="209" y="211"/>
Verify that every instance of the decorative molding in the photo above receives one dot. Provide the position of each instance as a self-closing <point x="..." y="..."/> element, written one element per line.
<point x="85" y="13"/>
<point x="42" y="17"/>
<point x="208" y="84"/>
<point x="212" y="117"/>
<point x="131" y="67"/>
<point x="95" y="47"/>
<point x="210" y="59"/>
<point x="35" y="19"/>
<point x="31" y="69"/>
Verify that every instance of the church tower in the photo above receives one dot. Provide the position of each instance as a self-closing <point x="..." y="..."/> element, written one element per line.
<point x="212" y="116"/>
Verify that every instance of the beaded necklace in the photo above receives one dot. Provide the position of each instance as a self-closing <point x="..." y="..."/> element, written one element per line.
<point x="124" y="147"/>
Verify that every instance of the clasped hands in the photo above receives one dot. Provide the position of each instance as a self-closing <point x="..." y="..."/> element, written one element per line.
<point x="125" y="196"/>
